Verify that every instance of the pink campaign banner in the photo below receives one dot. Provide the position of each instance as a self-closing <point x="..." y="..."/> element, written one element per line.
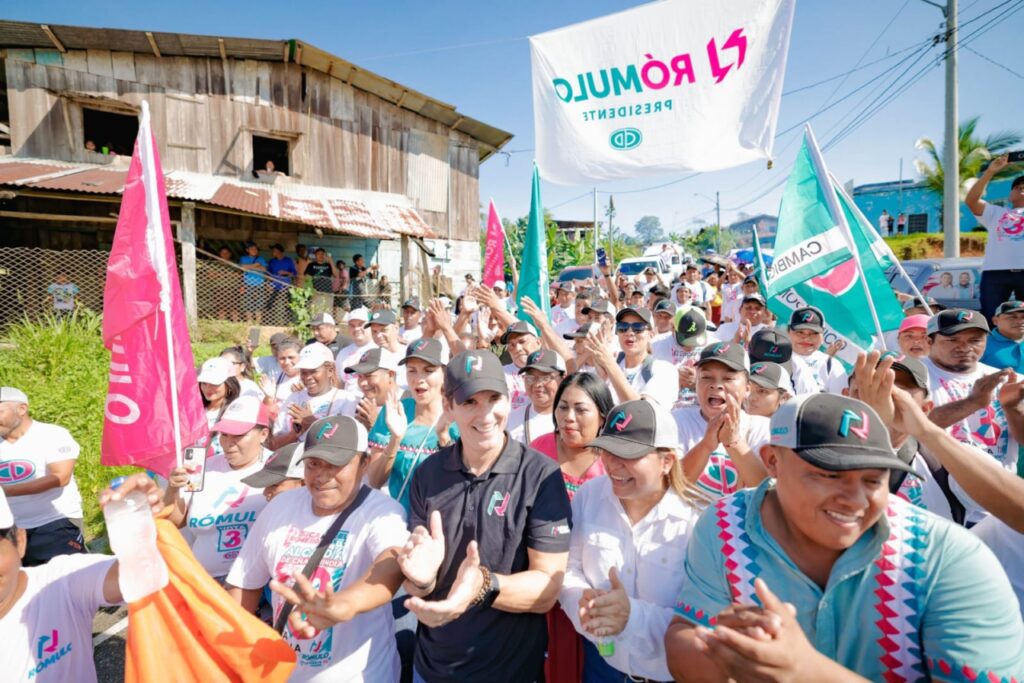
<point x="494" y="253"/>
<point x="142" y="282"/>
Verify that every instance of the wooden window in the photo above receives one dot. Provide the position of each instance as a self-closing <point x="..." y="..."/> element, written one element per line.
<point x="270" y="150"/>
<point x="108" y="131"/>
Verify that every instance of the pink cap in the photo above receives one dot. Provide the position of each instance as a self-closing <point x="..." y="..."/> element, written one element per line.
<point x="241" y="415"/>
<point x="913" y="322"/>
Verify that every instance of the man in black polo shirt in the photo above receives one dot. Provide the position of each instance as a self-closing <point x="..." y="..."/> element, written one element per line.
<point x="491" y="564"/>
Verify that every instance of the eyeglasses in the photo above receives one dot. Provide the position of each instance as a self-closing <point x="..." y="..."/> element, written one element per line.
<point x="530" y="380"/>
<point x="636" y="328"/>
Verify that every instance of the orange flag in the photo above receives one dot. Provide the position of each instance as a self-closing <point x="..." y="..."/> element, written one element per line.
<point x="193" y="631"/>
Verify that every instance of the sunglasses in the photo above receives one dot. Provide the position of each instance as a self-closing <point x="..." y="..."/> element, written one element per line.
<point x="636" y="328"/>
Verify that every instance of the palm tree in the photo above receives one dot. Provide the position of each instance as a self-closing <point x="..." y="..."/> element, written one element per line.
<point x="974" y="152"/>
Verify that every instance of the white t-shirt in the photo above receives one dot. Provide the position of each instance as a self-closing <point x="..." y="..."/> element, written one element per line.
<point x="25" y="460"/>
<point x="525" y="431"/>
<point x="220" y="516"/>
<point x="662" y="387"/>
<point x="812" y="374"/>
<point x="516" y="386"/>
<point x="732" y="296"/>
<point x="726" y="331"/>
<point x="347" y="357"/>
<point x="702" y="291"/>
<point x="249" y="388"/>
<point x="680" y="357"/>
<point x="1004" y="249"/>
<point x="333" y="402"/>
<point x="1008" y="546"/>
<point x="267" y="365"/>
<point x="279" y="545"/>
<point x="564" y="319"/>
<point x="692" y="427"/>
<point x="47" y="635"/>
<point x="409" y="336"/>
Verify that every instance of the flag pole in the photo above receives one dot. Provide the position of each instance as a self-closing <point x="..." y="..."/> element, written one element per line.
<point x="825" y="180"/>
<point x="158" y="253"/>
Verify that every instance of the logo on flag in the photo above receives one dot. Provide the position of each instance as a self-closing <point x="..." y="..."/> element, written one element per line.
<point x="625" y="138"/>
<point x="837" y="281"/>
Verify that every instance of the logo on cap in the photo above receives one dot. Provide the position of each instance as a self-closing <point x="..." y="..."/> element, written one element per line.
<point x="326" y="431"/>
<point x="692" y="327"/>
<point x="758" y="369"/>
<point x="773" y="352"/>
<point x="964" y="316"/>
<point x="896" y="357"/>
<point x="533" y="357"/>
<point x="474" y="363"/>
<point x="419" y="344"/>
<point x="621" y="421"/>
<point x="807" y="317"/>
<point x="860" y="432"/>
<point x="720" y="348"/>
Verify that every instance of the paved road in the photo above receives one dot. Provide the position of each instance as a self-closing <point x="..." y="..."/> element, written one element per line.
<point x="108" y="641"/>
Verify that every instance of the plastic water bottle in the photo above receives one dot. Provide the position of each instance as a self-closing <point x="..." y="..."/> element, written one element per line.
<point x="606" y="647"/>
<point x="132" y="537"/>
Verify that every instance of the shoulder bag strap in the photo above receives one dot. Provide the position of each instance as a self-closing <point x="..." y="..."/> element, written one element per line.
<point x="321" y="548"/>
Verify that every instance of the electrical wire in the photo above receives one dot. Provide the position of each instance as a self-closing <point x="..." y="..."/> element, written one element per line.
<point x="995" y="63"/>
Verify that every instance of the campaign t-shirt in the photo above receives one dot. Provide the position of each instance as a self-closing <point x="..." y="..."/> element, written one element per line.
<point x="727" y="331"/>
<point x="668" y="350"/>
<point x="25" y="460"/>
<point x="720" y="476"/>
<point x="47" y="635"/>
<point x="817" y="372"/>
<point x="280" y="543"/>
<point x="564" y="319"/>
<point x="63" y="295"/>
<point x="516" y="386"/>
<point x="333" y="402"/>
<point x="526" y="424"/>
<point x="220" y="516"/>
<point x="252" y="278"/>
<point x="1004" y="249"/>
<point x="408" y="335"/>
<point x="276" y="266"/>
<point x="322" y="275"/>
<point x="731" y="299"/>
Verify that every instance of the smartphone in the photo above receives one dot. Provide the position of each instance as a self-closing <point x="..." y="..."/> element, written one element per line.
<point x="194" y="462"/>
<point x="602" y="257"/>
<point x="254" y="337"/>
<point x="1015" y="157"/>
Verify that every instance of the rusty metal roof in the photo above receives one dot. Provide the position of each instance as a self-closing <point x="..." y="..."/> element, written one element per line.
<point x="378" y="215"/>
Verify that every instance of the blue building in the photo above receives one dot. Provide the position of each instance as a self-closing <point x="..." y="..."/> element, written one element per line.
<point x="920" y="205"/>
<point x="766" y="226"/>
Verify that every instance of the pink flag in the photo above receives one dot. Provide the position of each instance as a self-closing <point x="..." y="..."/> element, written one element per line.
<point x="494" y="254"/>
<point x="153" y="402"/>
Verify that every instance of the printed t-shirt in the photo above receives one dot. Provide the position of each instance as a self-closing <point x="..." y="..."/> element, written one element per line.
<point x="220" y="516"/>
<point x="26" y="460"/>
<point x="923" y="490"/>
<point x="63" y="296"/>
<point x="668" y="350"/>
<point x="731" y="299"/>
<point x="47" y="635"/>
<point x="332" y="402"/>
<point x="937" y="622"/>
<point x="720" y="476"/>
<point x="516" y="386"/>
<point x="322" y="276"/>
<point x="1004" y="249"/>
<point x="280" y="544"/>
<point x="1008" y="546"/>
<point x="814" y="373"/>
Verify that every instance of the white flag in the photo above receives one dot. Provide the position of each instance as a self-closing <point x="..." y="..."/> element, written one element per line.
<point x="678" y="85"/>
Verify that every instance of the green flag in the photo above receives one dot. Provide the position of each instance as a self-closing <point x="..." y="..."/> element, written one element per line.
<point x="759" y="269"/>
<point x="533" y="271"/>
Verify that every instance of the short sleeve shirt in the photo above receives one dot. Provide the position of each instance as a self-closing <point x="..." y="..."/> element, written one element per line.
<point x="662" y="386"/>
<point x="26" y="460"/>
<point x="1004" y="248"/>
<point x="63" y="295"/>
<point x="252" y="278"/>
<point x="937" y="621"/>
<point x="322" y="275"/>
<point x="519" y="504"/>
<point x="276" y="266"/>
<point x="333" y="402"/>
<point x="720" y="476"/>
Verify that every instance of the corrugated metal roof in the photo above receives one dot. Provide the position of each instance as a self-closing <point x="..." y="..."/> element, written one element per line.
<point x="20" y="34"/>
<point x="378" y="215"/>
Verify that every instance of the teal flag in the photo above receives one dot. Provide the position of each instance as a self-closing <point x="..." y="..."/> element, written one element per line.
<point x="533" y="271"/>
<point x="814" y="261"/>
<point x="759" y="269"/>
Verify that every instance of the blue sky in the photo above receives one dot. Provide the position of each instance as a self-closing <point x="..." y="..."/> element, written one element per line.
<point x="475" y="56"/>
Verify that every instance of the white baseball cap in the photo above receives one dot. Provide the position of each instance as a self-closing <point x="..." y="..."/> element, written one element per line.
<point x="361" y="313"/>
<point x="12" y="395"/>
<point x="313" y="356"/>
<point x="242" y="414"/>
<point x="215" y="371"/>
<point x="6" y="516"/>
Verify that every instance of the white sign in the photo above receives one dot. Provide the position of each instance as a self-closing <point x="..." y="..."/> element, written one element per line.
<point x="677" y="85"/>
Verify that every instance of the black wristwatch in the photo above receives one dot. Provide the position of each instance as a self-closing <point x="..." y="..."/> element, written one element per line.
<point x="492" y="594"/>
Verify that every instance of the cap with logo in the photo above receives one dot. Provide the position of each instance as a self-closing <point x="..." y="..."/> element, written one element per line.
<point x="807" y="318"/>
<point x="908" y="364"/>
<point x="312" y="356"/>
<point x="335" y="440"/>
<point x="642" y="313"/>
<point x="635" y="428"/>
<point x="771" y="376"/>
<point x="285" y="463"/>
<point x="215" y="371"/>
<point x="375" y="359"/>
<point x="603" y="306"/>
<point x="241" y="415"/>
<point x="12" y="395"/>
<point x="772" y="346"/>
<point x="471" y="372"/>
<point x="731" y="355"/>
<point x="756" y="298"/>
<point x="955" y="320"/>
<point x="362" y="313"/>
<point x="544" y="360"/>
<point x="413" y="303"/>
<point x="666" y="307"/>
<point x="518" y="327"/>
<point x="6" y="516"/>
<point x="835" y="433"/>
<point x="1014" y="306"/>
<point x="323" y="319"/>
<point x="385" y="317"/>
<point x="426" y="349"/>
<point x="691" y="327"/>
<point x="581" y="331"/>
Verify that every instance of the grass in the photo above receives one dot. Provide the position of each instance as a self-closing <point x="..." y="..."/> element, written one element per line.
<point x="62" y="365"/>
<point x="930" y="245"/>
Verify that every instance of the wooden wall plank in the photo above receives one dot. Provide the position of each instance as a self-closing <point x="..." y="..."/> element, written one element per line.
<point x="123" y="65"/>
<point x="99" y="63"/>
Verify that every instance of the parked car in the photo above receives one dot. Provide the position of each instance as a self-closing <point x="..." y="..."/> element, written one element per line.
<point x="579" y="273"/>
<point x="954" y="283"/>
<point x="635" y="266"/>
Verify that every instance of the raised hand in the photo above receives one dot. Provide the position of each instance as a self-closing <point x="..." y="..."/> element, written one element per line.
<point x="1011" y="394"/>
<point x="314" y="610"/>
<point x="466" y="587"/>
<point x="394" y="415"/>
<point x="423" y="553"/>
<point x="875" y="384"/>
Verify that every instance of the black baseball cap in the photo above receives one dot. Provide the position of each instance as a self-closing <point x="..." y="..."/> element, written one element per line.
<point x="807" y="318"/>
<point x="603" y="306"/>
<point x="955" y="320"/>
<point x="727" y="353"/>
<point x="385" y="317"/>
<point x="659" y="290"/>
<point x="426" y="349"/>
<point x="756" y="297"/>
<point x="374" y="360"/>
<point x="1010" y="307"/>
<point x="285" y="463"/>
<point x="918" y="302"/>
<point x="772" y="346"/>
<point x="635" y="428"/>
<point x="642" y="313"/>
<point x="836" y="433"/>
<point x="580" y="332"/>
<point x="691" y="327"/>
<point x="771" y="376"/>
<point x="750" y="279"/>
<point x="908" y="364"/>
<point x="335" y="440"/>
<point x="413" y="302"/>
<point x="518" y="327"/>
<point x="471" y="372"/>
<point x="544" y="360"/>
<point x="665" y="306"/>
<point x="565" y="286"/>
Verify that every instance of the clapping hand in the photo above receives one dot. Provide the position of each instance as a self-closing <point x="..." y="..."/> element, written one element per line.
<point x="605" y="613"/>
<point x="1011" y="394"/>
<point x="461" y="595"/>
<point x="394" y="415"/>
<point x="423" y="553"/>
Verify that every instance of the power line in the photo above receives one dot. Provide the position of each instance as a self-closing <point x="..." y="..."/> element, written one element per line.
<point x="994" y="62"/>
<point x="887" y="57"/>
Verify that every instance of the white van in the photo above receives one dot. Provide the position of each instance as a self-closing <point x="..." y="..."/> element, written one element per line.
<point x="631" y="267"/>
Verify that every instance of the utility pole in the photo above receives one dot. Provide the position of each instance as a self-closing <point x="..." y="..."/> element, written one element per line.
<point x="595" y="226"/>
<point x="611" y="216"/>
<point x="951" y="190"/>
<point x="718" y="219"/>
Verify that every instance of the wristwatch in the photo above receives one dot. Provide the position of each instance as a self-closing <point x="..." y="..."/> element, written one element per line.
<point x="492" y="593"/>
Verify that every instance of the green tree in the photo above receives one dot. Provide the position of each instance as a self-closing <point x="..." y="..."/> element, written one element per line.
<point x="973" y="152"/>
<point x="648" y="228"/>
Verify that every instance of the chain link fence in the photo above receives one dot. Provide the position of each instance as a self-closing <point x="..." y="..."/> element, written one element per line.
<point x="36" y="282"/>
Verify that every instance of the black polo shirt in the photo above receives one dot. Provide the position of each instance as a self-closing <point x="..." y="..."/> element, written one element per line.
<point x="519" y="503"/>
